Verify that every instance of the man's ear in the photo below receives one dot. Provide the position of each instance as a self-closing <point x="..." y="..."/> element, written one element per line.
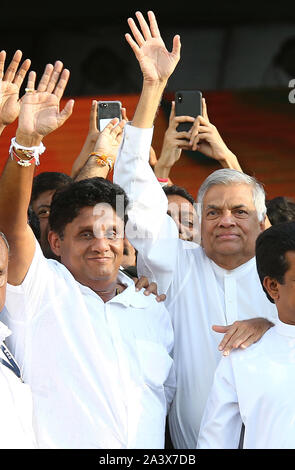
<point x="54" y="242"/>
<point x="271" y="285"/>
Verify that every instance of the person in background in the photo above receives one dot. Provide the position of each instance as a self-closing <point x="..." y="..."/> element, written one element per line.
<point x="280" y="209"/>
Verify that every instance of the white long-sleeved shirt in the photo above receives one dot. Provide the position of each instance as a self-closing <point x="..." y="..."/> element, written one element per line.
<point x="16" y="406"/>
<point x="101" y="373"/>
<point x="199" y="293"/>
<point x="256" y="387"/>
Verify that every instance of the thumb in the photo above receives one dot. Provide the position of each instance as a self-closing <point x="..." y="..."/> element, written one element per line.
<point x="220" y="328"/>
<point x="66" y="112"/>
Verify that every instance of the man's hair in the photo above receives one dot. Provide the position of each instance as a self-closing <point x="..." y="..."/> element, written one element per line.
<point x="173" y="189"/>
<point x="70" y="199"/>
<point x="271" y="248"/>
<point x="47" y="181"/>
<point x="229" y="176"/>
<point x="280" y="209"/>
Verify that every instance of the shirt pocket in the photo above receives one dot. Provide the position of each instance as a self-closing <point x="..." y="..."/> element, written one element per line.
<point x="155" y="362"/>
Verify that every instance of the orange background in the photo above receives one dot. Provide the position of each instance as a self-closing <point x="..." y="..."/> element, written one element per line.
<point x="258" y="126"/>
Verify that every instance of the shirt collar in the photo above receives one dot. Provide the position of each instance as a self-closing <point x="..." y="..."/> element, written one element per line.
<point x="284" y="329"/>
<point x="129" y="297"/>
<point x="237" y="272"/>
<point x="4" y="332"/>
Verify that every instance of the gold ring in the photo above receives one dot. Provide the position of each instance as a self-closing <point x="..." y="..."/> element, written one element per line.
<point x="29" y="90"/>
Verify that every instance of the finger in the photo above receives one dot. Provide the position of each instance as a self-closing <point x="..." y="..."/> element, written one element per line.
<point x="226" y="338"/>
<point x="161" y="298"/>
<point x="93" y="116"/>
<point x="181" y="135"/>
<point x="252" y="339"/>
<point x="62" y="83"/>
<point x="203" y="121"/>
<point x="142" y="282"/>
<point x="66" y="112"/>
<point x="172" y="112"/>
<point x="2" y="63"/>
<point x="45" y="78"/>
<point x="112" y="126"/>
<point x="55" y="78"/>
<point x="118" y="129"/>
<point x="238" y="340"/>
<point x="143" y="25"/>
<point x="153" y="25"/>
<point x="204" y="128"/>
<point x="31" y="80"/>
<point x="124" y="114"/>
<point x="204" y="110"/>
<point x="221" y="328"/>
<point x="13" y="66"/>
<point x="20" y="76"/>
<point x="151" y="289"/>
<point x="176" y="46"/>
<point x="134" y="46"/>
<point x="135" y="31"/>
<point x="234" y="342"/>
<point x="184" y="119"/>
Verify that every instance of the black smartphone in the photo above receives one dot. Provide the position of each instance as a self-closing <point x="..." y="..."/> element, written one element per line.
<point x="187" y="103"/>
<point x="106" y="111"/>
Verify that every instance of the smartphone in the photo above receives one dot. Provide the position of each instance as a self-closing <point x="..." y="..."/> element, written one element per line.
<point x="106" y="111"/>
<point x="187" y="103"/>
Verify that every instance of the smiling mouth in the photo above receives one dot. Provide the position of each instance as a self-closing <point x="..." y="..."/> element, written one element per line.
<point x="228" y="236"/>
<point x="100" y="260"/>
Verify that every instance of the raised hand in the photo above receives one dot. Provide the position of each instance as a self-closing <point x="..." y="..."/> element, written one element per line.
<point x="39" y="112"/>
<point x="156" y="62"/>
<point x="10" y="83"/>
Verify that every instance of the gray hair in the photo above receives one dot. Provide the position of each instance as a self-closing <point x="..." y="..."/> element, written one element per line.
<point x="5" y="240"/>
<point x="228" y="176"/>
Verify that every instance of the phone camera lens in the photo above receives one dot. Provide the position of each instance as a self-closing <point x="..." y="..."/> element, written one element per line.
<point x="179" y="98"/>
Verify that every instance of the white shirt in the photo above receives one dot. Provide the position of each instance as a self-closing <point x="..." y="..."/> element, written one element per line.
<point x="101" y="374"/>
<point x="199" y="293"/>
<point x="16" y="430"/>
<point x="257" y="387"/>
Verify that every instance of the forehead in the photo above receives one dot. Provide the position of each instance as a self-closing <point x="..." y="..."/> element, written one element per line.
<point x="180" y="201"/>
<point x="100" y="214"/>
<point x="290" y="258"/>
<point x="44" y="199"/>
<point x="221" y="195"/>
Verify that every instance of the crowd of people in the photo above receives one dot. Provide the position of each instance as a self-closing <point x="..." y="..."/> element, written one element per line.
<point x="133" y="316"/>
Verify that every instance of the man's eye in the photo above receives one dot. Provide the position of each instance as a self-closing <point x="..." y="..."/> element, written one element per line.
<point x="241" y="213"/>
<point x="111" y="235"/>
<point x="86" y="235"/>
<point x="211" y="213"/>
<point x="44" y="213"/>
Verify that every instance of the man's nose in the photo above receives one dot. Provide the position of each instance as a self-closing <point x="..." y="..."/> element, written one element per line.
<point x="100" y="244"/>
<point x="227" y="219"/>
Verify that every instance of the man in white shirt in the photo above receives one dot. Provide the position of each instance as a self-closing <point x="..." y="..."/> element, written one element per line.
<point x="16" y="431"/>
<point x="95" y="352"/>
<point x="212" y="284"/>
<point x="256" y="386"/>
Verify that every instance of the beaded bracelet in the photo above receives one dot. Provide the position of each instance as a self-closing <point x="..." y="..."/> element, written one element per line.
<point x="102" y="160"/>
<point x="31" y="153"/>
